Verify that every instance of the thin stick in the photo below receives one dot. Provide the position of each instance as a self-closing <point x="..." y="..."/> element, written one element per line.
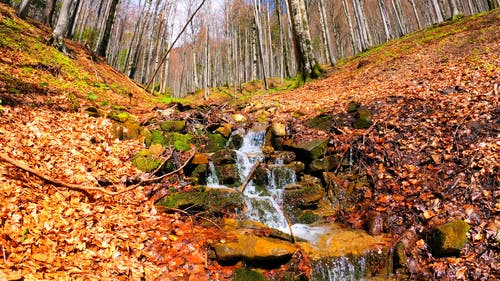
<point x="249" y="177"/>
<point x="172" y="45"/>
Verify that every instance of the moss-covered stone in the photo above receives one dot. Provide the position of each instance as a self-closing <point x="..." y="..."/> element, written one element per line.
<point x="304" y="217"/>
<point x="177" y="126"/>
<point x="324" y="164"/>
<point x="242" y="274"/>
<point x="225" y="130"/>
<point x="213" y="201"/>
<point x="156" y="137"/>
<point x="93" y="111"/>
<point x="311" y="150"/>
<point x="305" y="194"/>
<point x="215" y="142"/>
<point x="181" y="142"/>
<point x="400" y="256"/>
<point x="363" y="119"/>
<point x="224" y="156"/>
<point x="199" y="173"/>
<point x="235" y="141"/>
<point x="448" y="239"/>
<point x="120" y="116"/>
<point x="321" y="122"/>
<point x="127" y="130"/>
<point x="146" y="161"/>
<point x="353" y="106"/>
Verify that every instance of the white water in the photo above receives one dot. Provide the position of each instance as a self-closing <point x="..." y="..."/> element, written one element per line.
<point x="264" y="207"/>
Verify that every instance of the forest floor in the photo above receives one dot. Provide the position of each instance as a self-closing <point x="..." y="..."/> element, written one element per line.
<point x="433" y="155"/>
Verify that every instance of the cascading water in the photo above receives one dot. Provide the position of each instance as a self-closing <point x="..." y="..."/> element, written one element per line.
<point x="264" y="204"/>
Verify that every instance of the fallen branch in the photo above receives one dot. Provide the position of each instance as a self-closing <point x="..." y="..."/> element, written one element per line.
<point x="249" y="177"/>
<point x="82" y="188"/>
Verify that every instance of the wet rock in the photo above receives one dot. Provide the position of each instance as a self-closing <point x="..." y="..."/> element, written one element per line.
<point x="228" y="174"/>
<point x="448" y="239"/>
<point x="322" y="122"/>
<point x="278" y="129"/>
<point x="215" y="142"/>
<point x="400" y="256"/>
<point x="363" y="119"/>
<point x="173" y="126"/>
<point x="225" y="130"/>
<point x="286" y="157"/>
<point x="236" y="140"/>
<point x="200" y="158"/>
<point x="305" y="194"/>
<point x="297" y="166"/>
<point x="238" y="118"/>
<point x="255" y="250"/>
<point x="215" y="202"/>
<point x="267" y="150"/>
<point x="224" y="156"/>
<point x="199" y="174"/>
<point x="324" y="164"/>
<point x="242" y="274"/>
<point x="310" y="150"/>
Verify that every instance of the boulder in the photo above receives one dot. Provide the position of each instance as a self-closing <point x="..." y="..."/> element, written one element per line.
<point x="322" y="122"/>
<point x="310" y="150"/>
<point x="146" y="160"/>
<point x="200" y="158"/>
<point x="173" y="126"/>
<point x="254" y="249"/>
<point x="305" y="194"/>
<point x="215" y="142"/>
<point x="448" y="239"/>
<point x="181" y="142"/>
<point x="127" y="130"/>
<point x="224" y="156"/>
<point x="363" y="119"/>
<point x="236" y="140"/>
<point x="278" y="129"/>
<point x="225" y="130"/>
<point x="155" y="137"/>
<point x="215" y="202"/>
<point x="120" y="116"/>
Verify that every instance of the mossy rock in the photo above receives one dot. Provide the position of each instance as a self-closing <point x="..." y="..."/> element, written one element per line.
<point x="173" y="126"/>
<point x="120" y="116"/>
<point x="311" y="150"/>
<point x="93" y="111"/>
<point x="215" y="142"/>
<point x="235" y="141"/>
<point x="242" y="274"/>
<point x="305" y="194"/>
<point x="321" y="122"/>
<point x="363" y="119"/>
<point x="448" y="239"/>
<point x="213" y="201"/>
<point x="353" y="106"/>
<point x="324" y="164"/>
<point x="181" y="142"/>
<point x="304" y="217"/>
<point x="155" y="137"/>
<point x="400" y="257"/>
<point x="225" y="130"/>
<point x="200" y="173"/>
<point x="126" y="131"/>
<point x="146" y="161"/>
<point x="224" y="156"/>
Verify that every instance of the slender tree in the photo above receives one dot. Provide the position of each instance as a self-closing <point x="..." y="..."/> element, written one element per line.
<point x="57" y="39"/>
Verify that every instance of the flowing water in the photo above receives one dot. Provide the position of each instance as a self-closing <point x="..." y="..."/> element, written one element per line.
<point x="265" y="205"/>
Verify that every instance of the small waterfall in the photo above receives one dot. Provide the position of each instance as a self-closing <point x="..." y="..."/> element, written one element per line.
<point x="340" y="269"/>
<point x="212" y="179"/>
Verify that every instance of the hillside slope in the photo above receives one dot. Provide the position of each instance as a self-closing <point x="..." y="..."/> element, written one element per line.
<point x="432" y="155"/>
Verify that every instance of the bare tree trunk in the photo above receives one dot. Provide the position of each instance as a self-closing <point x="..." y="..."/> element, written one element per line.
<point x="454" y="8"/>
<point x="22" y="11"/>
<point x="304" y="54"/>
<point x="356" y="45"/>
<point x="385" y="19"/>
<point x="326" y="34"/>
<point x="415" y="12"/>
<point x="207" y="63"/>
<point x="57" y="39"/>
<point x="437" y="10"/>
<point x="101" y="49"/>
<point x="48" y="12"/>
<point x="258" y="26"/>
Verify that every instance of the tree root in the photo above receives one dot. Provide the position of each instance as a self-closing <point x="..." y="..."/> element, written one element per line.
<point x="86" y="189"/>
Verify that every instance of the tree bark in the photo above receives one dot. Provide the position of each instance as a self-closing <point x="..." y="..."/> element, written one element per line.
<point x="23" y="9"/>
<point x="326" y="34"/>
<point x="385" y="19"/>
<point x="57" y="39"/>
<point x="48" y="12"/>
<point x="303" y="49"/>
<point x="103" y="45"/>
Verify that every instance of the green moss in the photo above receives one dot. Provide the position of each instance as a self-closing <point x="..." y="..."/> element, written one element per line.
<point x="120" y="116"/>
<point x="215" y="142"/>
<point x="213" y="201"/>
<point x="156" y="137"/>
<point x="173" y="126"/>
<point x="448" y="239"/>
<point x="242" y="274"/>
<point x="321" y="122"/>
<point x="363" y="119"/>
<point x="145" y="162"/>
